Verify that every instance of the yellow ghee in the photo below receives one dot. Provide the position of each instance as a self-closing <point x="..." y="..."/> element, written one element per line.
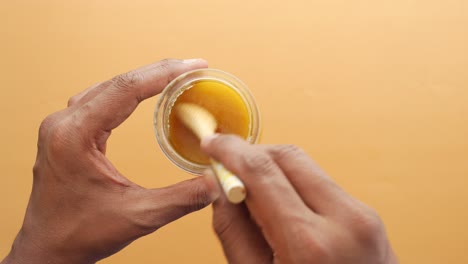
<point x="226" y="105"/>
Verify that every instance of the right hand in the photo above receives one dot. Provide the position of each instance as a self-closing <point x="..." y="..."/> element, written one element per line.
<point x="293" y="212"/>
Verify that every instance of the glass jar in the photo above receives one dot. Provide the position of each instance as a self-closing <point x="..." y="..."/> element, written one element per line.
<point x="178" y="86"/>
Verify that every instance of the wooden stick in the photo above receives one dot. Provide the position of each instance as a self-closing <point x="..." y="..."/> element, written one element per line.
<point x="202" y="123"/>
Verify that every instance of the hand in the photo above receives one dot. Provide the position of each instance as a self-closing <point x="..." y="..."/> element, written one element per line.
<point x="81" y="208"/>
<point x="293" y="212"/>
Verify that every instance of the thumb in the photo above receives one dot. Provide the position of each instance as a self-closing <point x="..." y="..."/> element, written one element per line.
<point x="172" y="202"/>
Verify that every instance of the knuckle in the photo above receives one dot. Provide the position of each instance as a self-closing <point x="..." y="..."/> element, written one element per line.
<point x="37" y="169"/>
<point x="257" y="162"/>
<point x="59" y="137"/>
<point x="220" y="142"/>
<point x="224" y="140"/>
<point x="56" y="140"/>
<point x="198" y="199"/>
<point x="165" y="63"/>
<point x="72" y="100"/>
<point x="127" y="81"/>
<point x="366" y="226"/>
<point x="311" y="249"/>
<point x="46" y="125"/>
<point x="165" y="67"/>
<point x="289" y="152"/>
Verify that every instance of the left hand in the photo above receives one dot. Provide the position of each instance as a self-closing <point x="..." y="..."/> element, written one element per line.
<point x="81" y="208"/>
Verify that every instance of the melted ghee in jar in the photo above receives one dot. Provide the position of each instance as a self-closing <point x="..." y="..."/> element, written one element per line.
<point x="223" y="102"/>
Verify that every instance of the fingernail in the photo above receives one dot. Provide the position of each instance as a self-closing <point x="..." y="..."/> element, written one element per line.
<point x="206" y="140"/>
<point x="191" y="61"/>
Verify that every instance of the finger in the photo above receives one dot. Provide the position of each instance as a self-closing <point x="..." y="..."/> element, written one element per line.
<point x="316" y="189"/>
<point x="167" y="204"/>
<point x="91" y="92"/>
<point x="240" y="237"/>
<point x="114" y="104"/>
<point x="269" y="193"/>
<point x="76" y="98"/>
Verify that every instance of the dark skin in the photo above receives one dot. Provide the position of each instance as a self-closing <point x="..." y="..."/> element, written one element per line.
<point x="294" y="213"/>
<point x="82" y="210"/>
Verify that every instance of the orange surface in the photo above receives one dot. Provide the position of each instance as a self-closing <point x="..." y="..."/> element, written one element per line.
<point x="375" y="91"/>
<point x="226" y="106"/>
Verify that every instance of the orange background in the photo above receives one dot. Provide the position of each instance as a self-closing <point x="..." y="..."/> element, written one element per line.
<point x="375" y="91"/>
